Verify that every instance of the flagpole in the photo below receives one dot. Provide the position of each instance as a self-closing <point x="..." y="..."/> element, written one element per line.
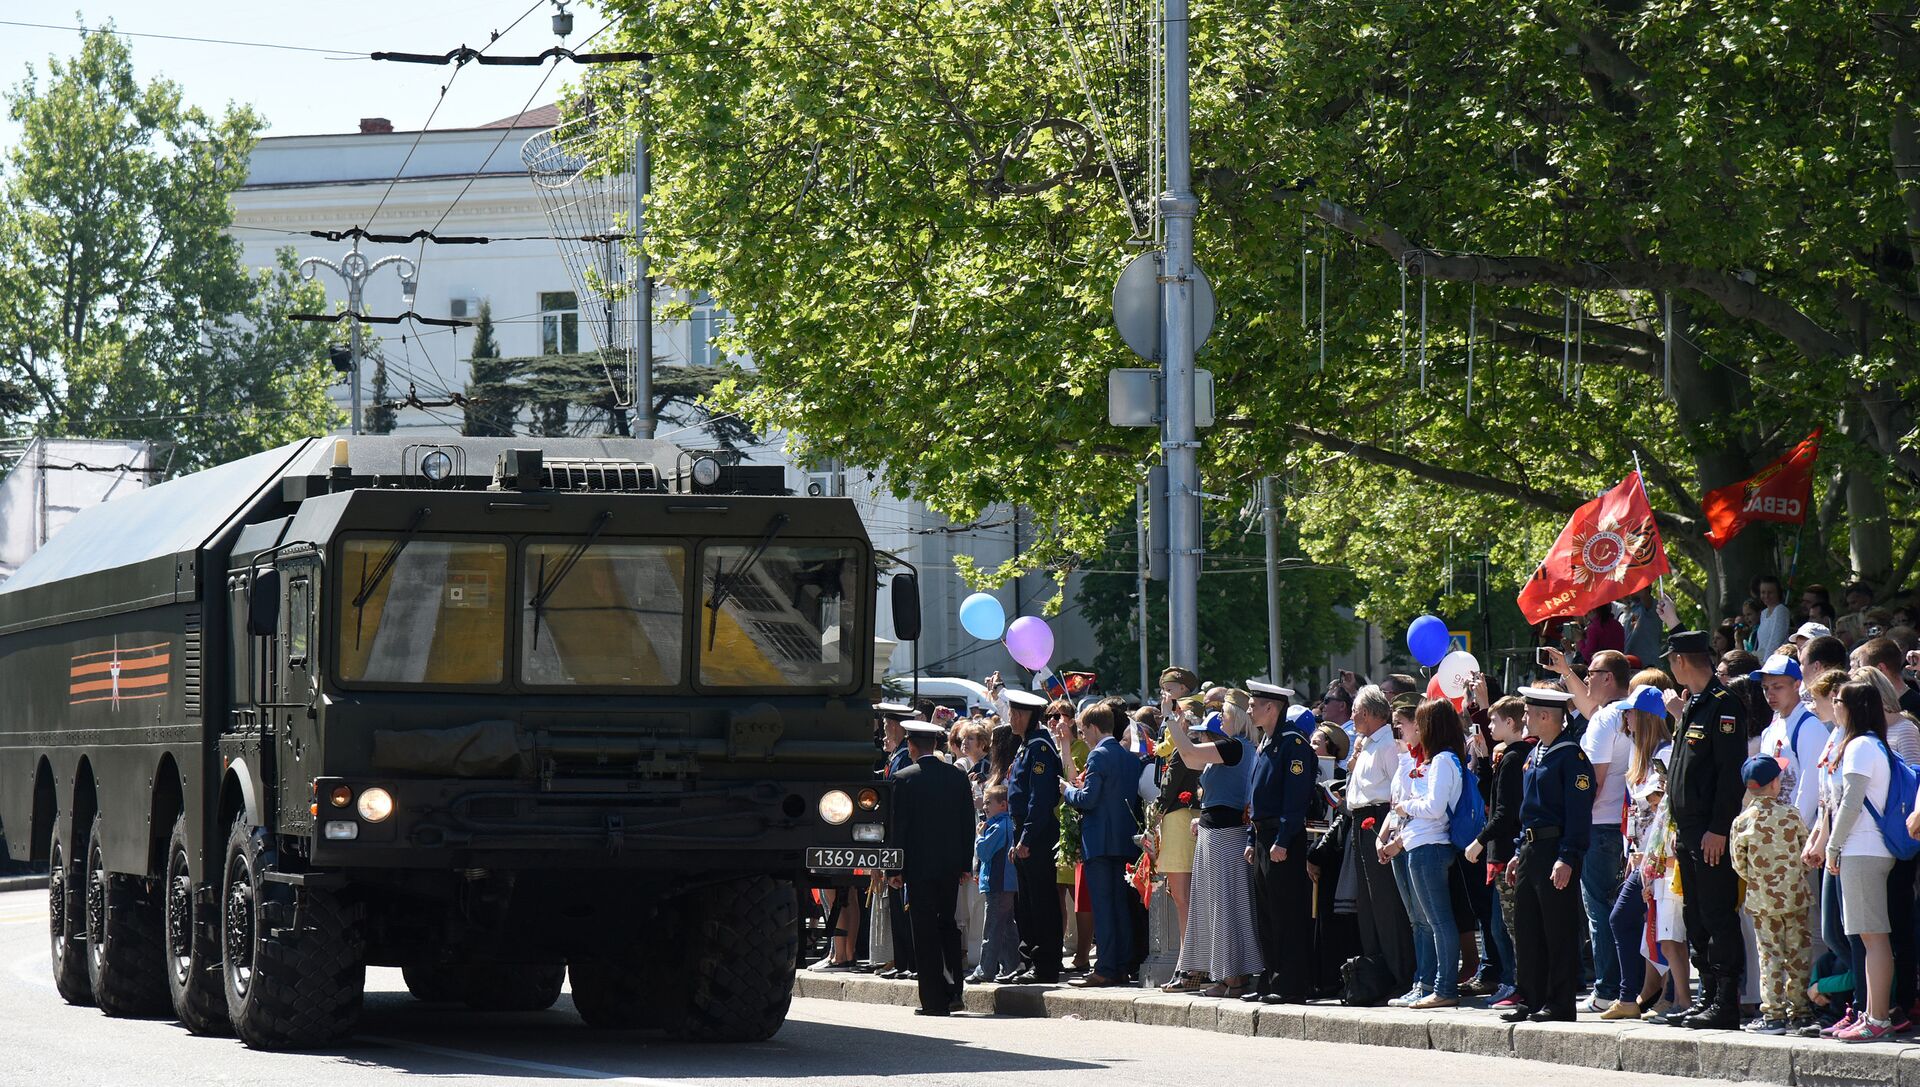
<point x="1640" y="478"/>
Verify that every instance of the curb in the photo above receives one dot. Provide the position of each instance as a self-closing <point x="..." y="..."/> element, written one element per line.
<point x="1671" y="1051"/>
<point x="22" y="883"/>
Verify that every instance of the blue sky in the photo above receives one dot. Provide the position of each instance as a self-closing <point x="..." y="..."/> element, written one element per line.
<point x="301" y="92"/>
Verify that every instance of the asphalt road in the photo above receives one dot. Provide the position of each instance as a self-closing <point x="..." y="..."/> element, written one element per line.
<point x="43" y="1041"/>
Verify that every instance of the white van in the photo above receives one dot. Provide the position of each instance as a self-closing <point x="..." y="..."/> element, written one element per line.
<point x="957" y="693"/>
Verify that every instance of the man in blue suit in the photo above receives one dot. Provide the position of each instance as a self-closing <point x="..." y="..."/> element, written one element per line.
<point x="1106" y="796"/>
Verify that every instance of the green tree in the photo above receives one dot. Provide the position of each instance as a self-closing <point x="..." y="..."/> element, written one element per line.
<point x="1536" y="170"/>
<point x="1233" y="610"/>
<point x="492" y="405"/>
<point x="124" y="309"/>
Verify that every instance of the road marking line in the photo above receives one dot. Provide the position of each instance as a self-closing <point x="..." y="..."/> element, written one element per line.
<point x="511" y="1062"/>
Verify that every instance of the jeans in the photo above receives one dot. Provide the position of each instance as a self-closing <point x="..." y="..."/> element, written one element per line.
<point x="1628" y="922"/>
<point x="1600" y="879"/>
<point x="1000" y="948"/>
<point x="1422" y="875"/>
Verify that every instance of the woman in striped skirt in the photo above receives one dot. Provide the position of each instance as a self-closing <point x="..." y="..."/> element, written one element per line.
<point x="1220" y="942"/>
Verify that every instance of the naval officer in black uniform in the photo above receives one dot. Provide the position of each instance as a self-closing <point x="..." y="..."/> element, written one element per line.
<point x="933" y="810"/>
<point x="1704" y="793"/>
<point x="1556" y="819"/>
<point x="1285" y="771"/>
<point x="893" y="721"/>
<point x="1033" y="796"/>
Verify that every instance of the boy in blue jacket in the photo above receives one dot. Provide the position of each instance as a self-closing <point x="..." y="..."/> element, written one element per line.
<point x="992" y="849"/>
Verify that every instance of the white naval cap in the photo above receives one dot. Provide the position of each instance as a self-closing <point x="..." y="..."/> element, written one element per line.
<point x="893" y="709"/>
<point x="1026" y="698"/>
<point x="1546" y="696"/>
<point x="923" y="728"/>
<point x="1261" y="689"/>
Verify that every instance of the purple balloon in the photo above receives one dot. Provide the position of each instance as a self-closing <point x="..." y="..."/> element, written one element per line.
<point x="1030" y="641"/>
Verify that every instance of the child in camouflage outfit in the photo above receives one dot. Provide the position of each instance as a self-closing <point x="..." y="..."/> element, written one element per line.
<point x="1765" y="848"/>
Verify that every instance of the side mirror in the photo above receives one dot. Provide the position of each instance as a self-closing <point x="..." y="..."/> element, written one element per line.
<point x="906" y="607"/>
<point x="263" y="604"/>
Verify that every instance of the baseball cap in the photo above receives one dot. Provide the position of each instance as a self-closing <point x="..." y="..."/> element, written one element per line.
<point x="1759" y="771"/>
<point x="1648" y="699"/>
<point x="1809" y="631"/>
<point x="1777" y="665"/>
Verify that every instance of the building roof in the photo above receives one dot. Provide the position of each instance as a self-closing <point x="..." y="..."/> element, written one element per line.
<point x="538" y="117"/>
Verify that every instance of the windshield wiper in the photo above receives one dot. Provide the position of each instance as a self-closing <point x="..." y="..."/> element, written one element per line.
<point x="544" y="591"/>
<point x="723" y="582"/>
<point x="381" y="569"/>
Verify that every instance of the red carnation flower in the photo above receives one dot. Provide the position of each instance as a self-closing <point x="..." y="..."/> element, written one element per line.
<point x="1369" y="823"/>
<point x="1186" y="796"/>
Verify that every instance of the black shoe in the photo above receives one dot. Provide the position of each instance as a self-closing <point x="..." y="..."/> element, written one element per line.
<point x="958" y="1005"/>
<point x="1554" y="1015"/>
<point x="941" y="1012"/>
<point x="1282" y="998"/>
<point x="889" y="975"/>
<point x="1723" y="1013"/>
<point x="1253" y="996"/>
<point x="1009" y="978"/>
<point x="1519" y="1014"/>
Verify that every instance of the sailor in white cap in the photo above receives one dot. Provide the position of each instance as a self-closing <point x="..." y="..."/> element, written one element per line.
<point x="1033" y="798"/>
<point x="1284" y="775"/>
<point x="1556" y="814"/>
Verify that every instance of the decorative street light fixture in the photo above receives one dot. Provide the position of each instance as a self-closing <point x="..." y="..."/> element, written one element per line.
<point x="355" y="269"/>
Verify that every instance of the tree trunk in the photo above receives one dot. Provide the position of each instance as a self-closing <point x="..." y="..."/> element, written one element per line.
<point x="1704" y="395"/>
<point x="1869" y="536"/>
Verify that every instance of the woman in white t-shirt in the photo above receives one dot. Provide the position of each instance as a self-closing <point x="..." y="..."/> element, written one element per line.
<point x="1858" y="854"/>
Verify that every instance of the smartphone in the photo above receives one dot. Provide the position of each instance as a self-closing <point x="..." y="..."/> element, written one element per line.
<point x="1541" y="657"/>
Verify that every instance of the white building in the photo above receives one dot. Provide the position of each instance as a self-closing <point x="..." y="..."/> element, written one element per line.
<point x="471" y="182"/>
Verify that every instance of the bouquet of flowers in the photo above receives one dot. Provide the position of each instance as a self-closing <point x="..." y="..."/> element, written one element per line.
<point x="1066" y="853"/>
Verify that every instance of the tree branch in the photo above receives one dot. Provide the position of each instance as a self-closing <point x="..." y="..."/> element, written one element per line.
<point x="1731" y="293"/>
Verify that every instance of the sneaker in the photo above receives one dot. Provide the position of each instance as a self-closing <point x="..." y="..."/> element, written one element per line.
<point x="1503" y="997"/>
<point x="1622" y="1009"/>
<point x="1845" y="1023"/>
<point x="1866" y="1030"/>
<point x="1664" y="1017"/>
<point x="1764" y="1025"/>
<point x="1434" y="1000"/>
<point x="1596" y="1003"/>
<point x="1407" y="999"/>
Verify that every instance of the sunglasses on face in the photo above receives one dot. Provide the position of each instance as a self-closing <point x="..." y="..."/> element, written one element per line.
<point x="1059" y="716"/>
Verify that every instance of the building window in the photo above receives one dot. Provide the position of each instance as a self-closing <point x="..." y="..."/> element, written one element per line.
<point x="559" y="323"/>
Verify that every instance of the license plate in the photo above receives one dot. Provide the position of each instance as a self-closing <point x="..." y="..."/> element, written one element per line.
<point x="848" y="858"/>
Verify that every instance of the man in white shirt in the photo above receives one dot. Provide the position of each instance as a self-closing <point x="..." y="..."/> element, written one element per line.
<point x="1385" y="933"/>
<point x="1600" y="698"/>
<point x="1795" y="736"/>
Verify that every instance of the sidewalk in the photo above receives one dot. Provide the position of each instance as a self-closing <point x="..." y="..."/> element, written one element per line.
<point x="1624" y="1046"/>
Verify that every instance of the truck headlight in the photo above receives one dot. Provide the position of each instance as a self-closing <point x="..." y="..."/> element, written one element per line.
<point x="836" y="807"/>
<point x="375" y="804"/>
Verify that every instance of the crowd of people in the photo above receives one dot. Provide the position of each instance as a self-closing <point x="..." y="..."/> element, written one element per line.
<point x="1709" y="829"/>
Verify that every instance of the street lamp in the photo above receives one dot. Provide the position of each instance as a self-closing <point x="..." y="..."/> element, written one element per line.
<point x="355" y="269"/>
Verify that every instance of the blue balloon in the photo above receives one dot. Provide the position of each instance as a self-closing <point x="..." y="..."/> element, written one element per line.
<point x="982" y="616"/>
<point x="1427" y="640"/>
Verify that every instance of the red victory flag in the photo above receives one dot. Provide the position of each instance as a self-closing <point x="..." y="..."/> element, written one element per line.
<point x="1781" y="491"/>
<point x="1610" y="549"/>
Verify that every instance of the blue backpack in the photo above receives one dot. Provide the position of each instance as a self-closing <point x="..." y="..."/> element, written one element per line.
<point x="1468" y="815"/>
<point x="1902" y="782"/>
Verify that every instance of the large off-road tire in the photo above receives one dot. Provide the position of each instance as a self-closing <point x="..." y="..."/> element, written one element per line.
<point x="433" y="983"/>
<point x="513" y="987"/>
<point x="720" y="971"/>
<point x="65" y="912"/>
<point x="124" y="938"/>
<point x="286" y="989"/>
<point x="192" y="944"/>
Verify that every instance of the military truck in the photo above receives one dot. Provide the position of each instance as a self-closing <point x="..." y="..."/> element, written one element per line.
<point x="502" y="714"/>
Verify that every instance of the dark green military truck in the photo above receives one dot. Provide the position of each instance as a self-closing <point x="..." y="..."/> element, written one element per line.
<point x="500" y="712"/>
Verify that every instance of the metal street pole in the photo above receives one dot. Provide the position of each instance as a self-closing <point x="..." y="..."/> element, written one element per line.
<point x="1180" y="449"/>
<point x="1271" y="514"/>
<point x="643" y="421"/>
<point x="1140" y="589"/>
<point x="355" y="269"/>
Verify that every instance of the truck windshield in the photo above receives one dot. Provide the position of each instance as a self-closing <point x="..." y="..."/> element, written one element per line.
<point x="617" y="618"/>
<point x="438" y="616"/>
<point x="786" y="621"/>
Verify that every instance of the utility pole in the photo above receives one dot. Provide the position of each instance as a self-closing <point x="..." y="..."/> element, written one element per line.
<point x="1140" y="590"/>
<point x="1271" y="514"/>
<point x="1179" y="445"/>
<point x="355" y="270"/>
<point x="643" y="421"/>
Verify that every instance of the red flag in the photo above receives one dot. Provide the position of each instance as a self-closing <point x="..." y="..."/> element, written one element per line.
<point x="1079" y="683"/>
<point x="1610" y="549"/>
<point x="1781" y="491"/>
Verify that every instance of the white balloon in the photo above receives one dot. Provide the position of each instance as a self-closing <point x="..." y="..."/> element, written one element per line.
<point x="1455" y="671"/>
